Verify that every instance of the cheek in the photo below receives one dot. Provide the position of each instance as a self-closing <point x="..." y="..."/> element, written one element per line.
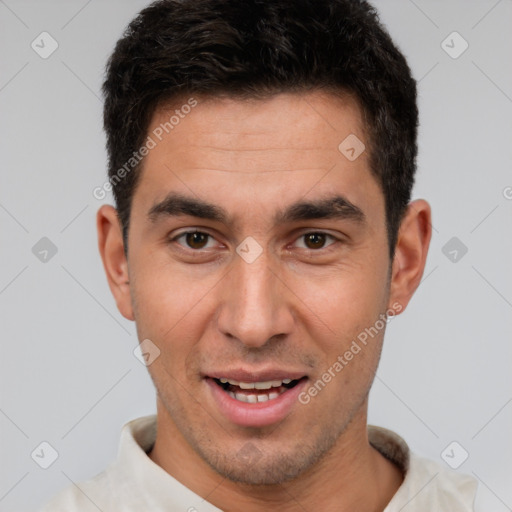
<point x="344" y="300"/>
<point x="347" y="330"/>
<point x="170" y="307"/>
<point x="341" y="313"/>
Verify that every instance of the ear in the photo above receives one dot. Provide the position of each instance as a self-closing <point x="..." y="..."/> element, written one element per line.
<point x="111" y="246"/>
<point x="410" y="253"/>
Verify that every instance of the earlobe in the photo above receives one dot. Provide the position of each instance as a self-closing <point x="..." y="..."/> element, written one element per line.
<point x="111" y="247"/>
<point x="410" y="252"/>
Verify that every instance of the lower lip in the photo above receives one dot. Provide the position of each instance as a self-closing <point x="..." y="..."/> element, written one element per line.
<point x="260" y="414"/>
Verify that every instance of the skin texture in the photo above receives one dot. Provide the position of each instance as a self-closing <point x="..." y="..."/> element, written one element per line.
<point x="294" y="308"/>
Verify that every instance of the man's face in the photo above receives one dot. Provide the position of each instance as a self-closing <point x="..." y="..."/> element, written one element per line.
<point x="267" y="291"/>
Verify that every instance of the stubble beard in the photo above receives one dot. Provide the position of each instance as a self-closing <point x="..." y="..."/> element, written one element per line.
<point x="260" y="461"/>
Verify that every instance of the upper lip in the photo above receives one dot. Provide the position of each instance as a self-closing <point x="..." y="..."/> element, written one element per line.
<point x="242" y="375"/>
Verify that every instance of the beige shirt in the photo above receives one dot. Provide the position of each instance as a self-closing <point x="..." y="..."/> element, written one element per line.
<point x="134" y="483"/>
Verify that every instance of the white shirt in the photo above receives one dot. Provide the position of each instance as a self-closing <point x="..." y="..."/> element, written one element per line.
<point x="134" y="483"/>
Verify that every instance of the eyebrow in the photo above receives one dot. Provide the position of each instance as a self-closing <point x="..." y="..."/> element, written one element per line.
<point x="334" y="207"/>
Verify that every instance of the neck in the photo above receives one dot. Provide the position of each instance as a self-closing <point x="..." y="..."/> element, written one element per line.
<point x="352" y="476"/>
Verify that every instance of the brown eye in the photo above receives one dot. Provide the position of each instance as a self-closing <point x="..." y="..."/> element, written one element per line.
<point x="196" y="239"/>
<point x="315" y="240"/>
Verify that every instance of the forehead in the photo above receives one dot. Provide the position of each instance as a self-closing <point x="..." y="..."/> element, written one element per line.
<point x="258" y="135"/>
<point x="270" y="151"/>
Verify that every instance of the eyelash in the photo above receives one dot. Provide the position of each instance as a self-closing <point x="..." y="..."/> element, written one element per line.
<point x="327" y="235"/>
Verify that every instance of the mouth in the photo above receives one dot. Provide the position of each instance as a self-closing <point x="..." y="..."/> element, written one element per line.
<point x="255" y="400"/>
<point x="256" y="392"/>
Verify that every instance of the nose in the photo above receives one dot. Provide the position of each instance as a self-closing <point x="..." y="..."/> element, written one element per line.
<point x="255" y="303"/>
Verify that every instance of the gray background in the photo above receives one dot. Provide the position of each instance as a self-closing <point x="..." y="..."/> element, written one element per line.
<point x="68" y="374"/>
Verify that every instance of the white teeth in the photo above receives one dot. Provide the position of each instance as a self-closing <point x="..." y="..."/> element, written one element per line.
<point x="274" y="385"/>
<point x="246" y="385"/>
<point x="248" y="399"/>
<point x="253" y="399"/>
<point x="257" y="385"/>
<point x="263" y="385"/>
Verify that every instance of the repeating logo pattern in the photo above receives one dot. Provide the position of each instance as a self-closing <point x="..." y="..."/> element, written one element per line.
<point x="68" y="357"/>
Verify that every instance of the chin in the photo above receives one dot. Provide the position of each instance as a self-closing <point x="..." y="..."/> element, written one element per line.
<point x="257" y="464"/>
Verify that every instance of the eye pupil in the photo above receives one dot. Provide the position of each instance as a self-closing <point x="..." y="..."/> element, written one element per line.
<point x="315" y="240"/>
<point x="197" y="240"/>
